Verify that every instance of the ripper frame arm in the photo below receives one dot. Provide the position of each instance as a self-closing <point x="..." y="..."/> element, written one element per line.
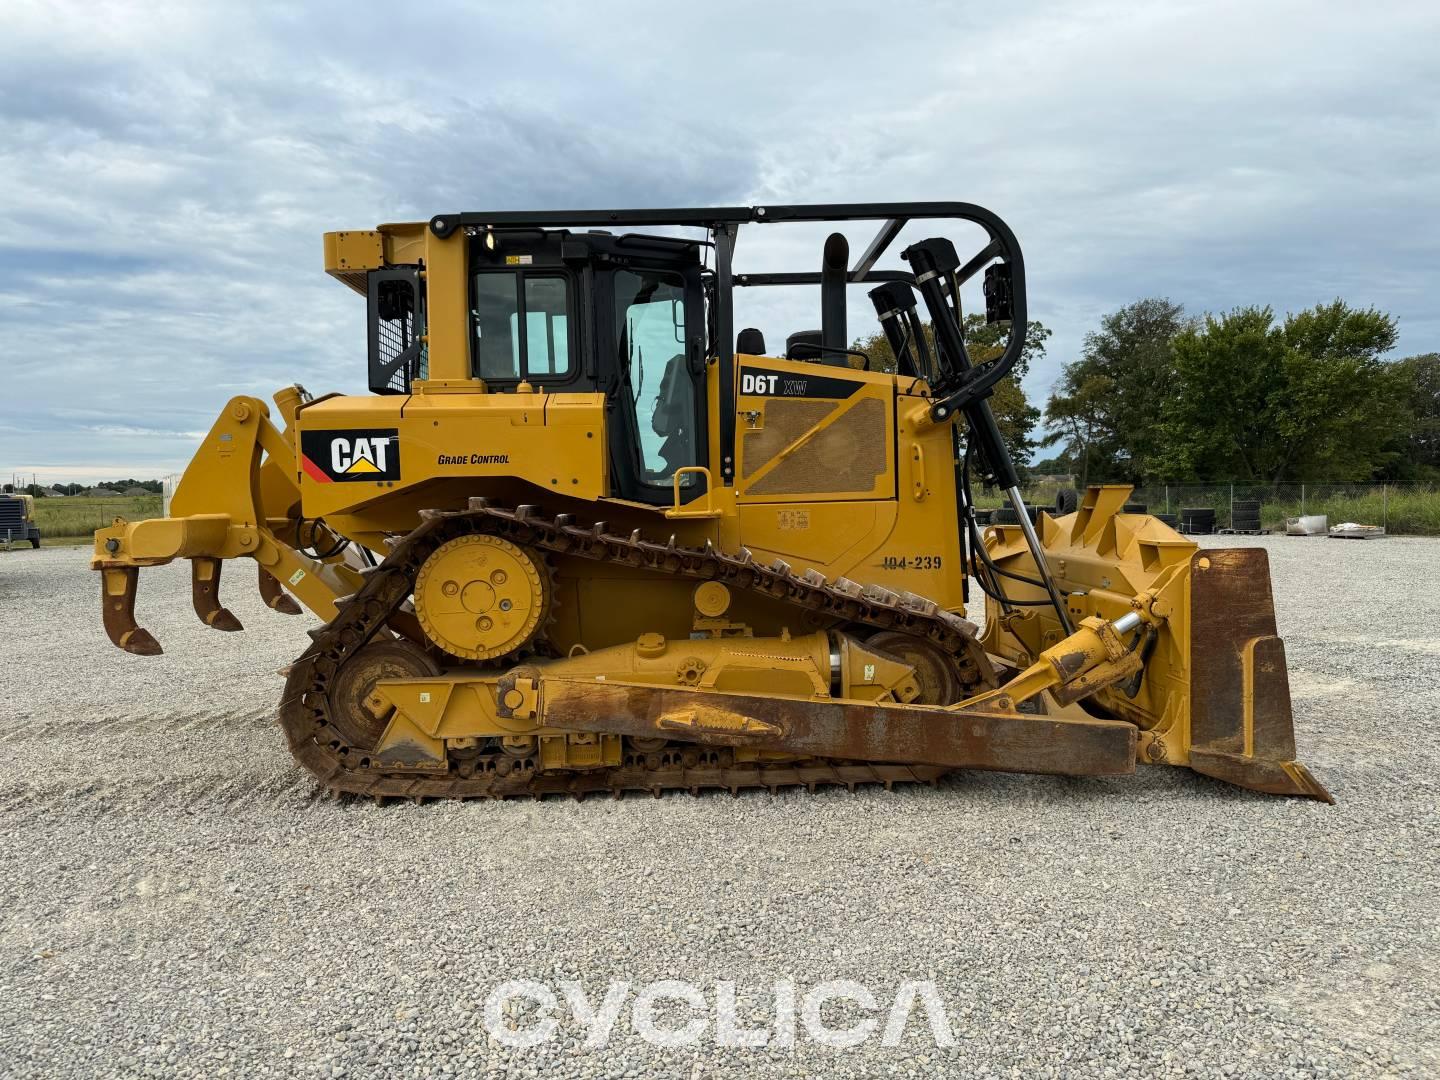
<point x="237" y="497"/>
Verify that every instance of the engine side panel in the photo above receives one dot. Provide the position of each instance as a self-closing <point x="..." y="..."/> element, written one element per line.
<point x="356" y="451"/>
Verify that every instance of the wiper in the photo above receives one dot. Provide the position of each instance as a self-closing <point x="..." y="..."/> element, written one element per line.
<point x="633" y="354"/>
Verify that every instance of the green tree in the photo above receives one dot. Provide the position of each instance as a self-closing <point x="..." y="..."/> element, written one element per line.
<point x="1108" y="407"/>
<point x="1077" y="413"/>
<point x="1306" y="399"/>
<point x="1417" y="452"/>
<point x="1061" y="463"/>
<point x="1014" y="414"/>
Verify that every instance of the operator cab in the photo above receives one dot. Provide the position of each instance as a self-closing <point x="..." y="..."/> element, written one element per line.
<point x="594" y="312"/>
<point x="562" y="311"/>
<point x="638" y="318"/>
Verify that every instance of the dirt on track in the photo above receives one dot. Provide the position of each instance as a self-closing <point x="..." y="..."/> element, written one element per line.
<point x="178" y="900"/>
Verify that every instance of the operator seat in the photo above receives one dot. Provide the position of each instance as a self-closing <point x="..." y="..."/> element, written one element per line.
<point x="673" y="414"/>
<point x="750" y="341"/>
<point x="809" y="346"/>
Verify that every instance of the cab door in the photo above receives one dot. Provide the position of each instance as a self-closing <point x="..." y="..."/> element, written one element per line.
<point x="650" y="362"/>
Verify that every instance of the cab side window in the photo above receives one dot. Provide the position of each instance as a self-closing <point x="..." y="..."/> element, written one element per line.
<point x="521" y="326"/>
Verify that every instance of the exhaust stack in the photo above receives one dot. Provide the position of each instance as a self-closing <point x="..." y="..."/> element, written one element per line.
<point x="834" y="264"/>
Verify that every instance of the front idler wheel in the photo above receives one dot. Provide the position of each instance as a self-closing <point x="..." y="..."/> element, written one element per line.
<point x="356" y="711"/>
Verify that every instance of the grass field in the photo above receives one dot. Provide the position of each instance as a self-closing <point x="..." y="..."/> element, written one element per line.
<point x="74" y="520"/>
<point x="1414" y="513"/>
<point x="1403" y="510"/>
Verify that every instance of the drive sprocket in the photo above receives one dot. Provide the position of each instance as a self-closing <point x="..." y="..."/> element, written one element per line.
<point x="479" y="597"/>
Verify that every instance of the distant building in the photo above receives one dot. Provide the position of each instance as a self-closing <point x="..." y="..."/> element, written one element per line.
<point x="51" y="493"/>
<point x="137" y="490"/>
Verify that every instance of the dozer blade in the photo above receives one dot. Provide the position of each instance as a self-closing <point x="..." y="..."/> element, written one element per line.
<point x="1241" y="728"/>
<point x="847" y="730"/>
<point x="117" y="605"/>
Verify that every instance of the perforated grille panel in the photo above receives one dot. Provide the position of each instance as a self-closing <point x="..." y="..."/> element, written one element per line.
<point x="785" y="421"/>
<point x="849" y="455"/>
<point x="395" y="336"/>
<point x="395" y="306"/>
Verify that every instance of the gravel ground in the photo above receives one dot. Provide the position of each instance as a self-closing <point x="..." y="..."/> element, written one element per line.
<point x="176" y="900"/>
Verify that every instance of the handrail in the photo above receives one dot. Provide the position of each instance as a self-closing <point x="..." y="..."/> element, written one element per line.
<point x="676" y="511"/>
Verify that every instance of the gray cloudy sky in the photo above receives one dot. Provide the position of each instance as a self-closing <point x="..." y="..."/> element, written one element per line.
<point x="166" y="171"/>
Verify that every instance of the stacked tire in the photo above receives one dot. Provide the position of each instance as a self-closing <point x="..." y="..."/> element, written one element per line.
<point x="1173" y="520"/>
<point x="1245" y="515"/>
<point x="984" y="517"/>
<point x="1006" y="514"/>
<point x="1134" y="508"/>
<point x="1197" y="519"/>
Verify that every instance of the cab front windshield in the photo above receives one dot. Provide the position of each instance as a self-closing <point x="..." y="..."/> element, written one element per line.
<point x="650" y="329"/>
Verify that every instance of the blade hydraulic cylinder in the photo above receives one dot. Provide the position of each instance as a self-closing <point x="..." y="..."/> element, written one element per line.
<point x="1032" y="541"/>
<point x="895" y="305"/>
<point x="934" y="262"/>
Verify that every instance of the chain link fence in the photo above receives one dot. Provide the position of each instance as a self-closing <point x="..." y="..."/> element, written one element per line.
<point x="1412" y="508"/>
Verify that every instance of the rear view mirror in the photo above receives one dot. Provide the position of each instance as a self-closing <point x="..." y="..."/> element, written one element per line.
<point x="999" y="294"/>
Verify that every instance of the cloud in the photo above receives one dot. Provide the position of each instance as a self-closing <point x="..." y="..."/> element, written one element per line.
<point x="168" y="169"/>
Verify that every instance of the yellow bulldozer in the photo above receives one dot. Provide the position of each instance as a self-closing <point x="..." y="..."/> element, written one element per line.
<point x="581" y="536"/>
